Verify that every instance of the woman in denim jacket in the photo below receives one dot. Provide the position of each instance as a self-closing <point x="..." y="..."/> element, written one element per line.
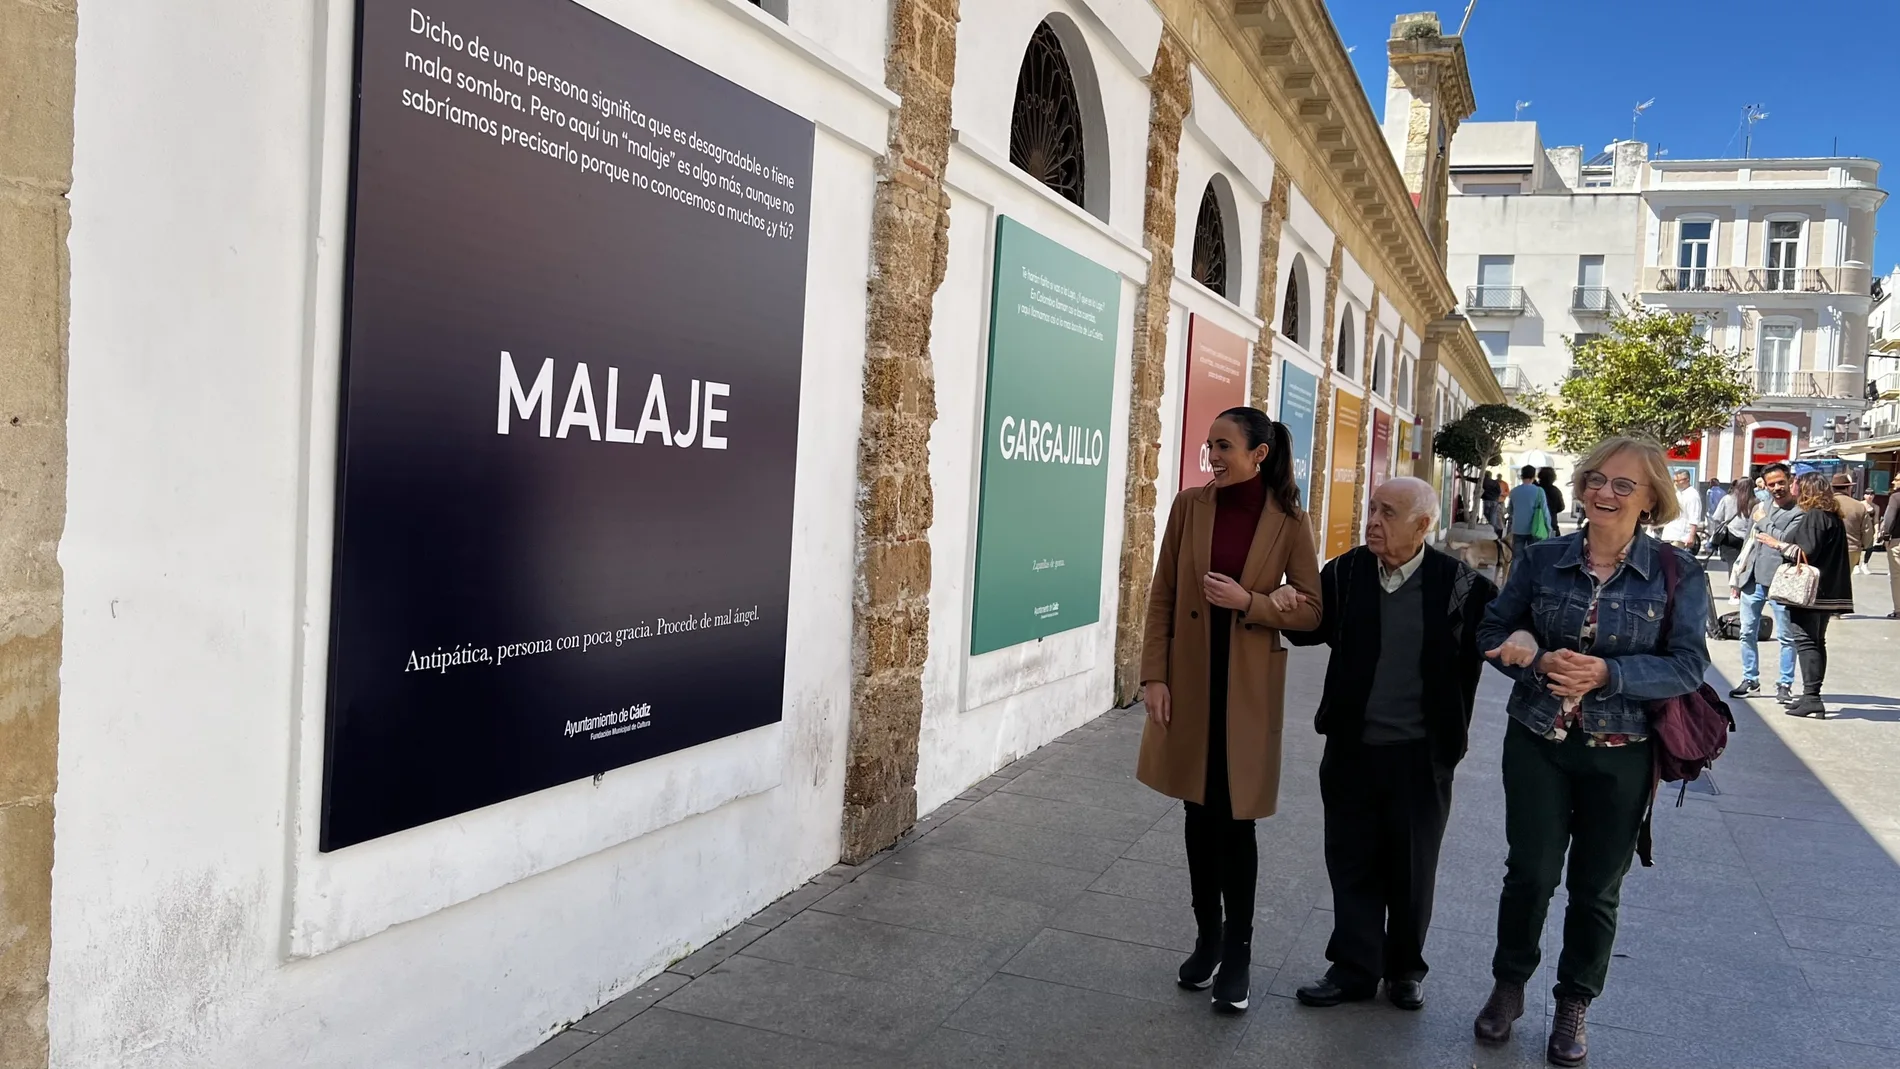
<point x="1580" y="627"/>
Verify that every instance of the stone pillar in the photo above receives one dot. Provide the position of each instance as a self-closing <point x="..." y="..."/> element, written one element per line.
<point x="36" y="163"/>
<point x="1171" y="96"/>
<point x="1323" y="408"/>
<point x="1362" y="477"/>
<point x="1266" y="304"/>
<point x="891" y="606"/>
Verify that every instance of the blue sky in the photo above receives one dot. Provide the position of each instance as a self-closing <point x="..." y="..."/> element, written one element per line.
<point x="1584" y="67"/>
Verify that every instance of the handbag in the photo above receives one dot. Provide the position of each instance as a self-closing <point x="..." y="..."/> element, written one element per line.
<point x="1540" y="518"/>
<point x="1797" y="583"/>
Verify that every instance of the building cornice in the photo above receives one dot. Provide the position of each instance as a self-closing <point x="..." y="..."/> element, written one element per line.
<point x="1280" y="65"/>
<point x="1460" y="353"/>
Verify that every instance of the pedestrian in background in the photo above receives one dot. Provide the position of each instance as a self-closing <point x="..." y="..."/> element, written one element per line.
<point x="1856" y="519"/>
<point x="1235" y="561"/>
<point x="1529" y="506"/>
<point x="1492" y="497"/>
<point x="1729" y="524"/>
<point x="1754" y="573"/>
<point x="1871" y="548"/>
<point x="1588" y="630"/>
<point x="1890" y="534"/>
<point x="1685" y="528"/>
<point x="1819" y="538"/>
<point x="1547" y="478"/>
<point x="1712" y="495"/>
<point x="1402" y="620"/>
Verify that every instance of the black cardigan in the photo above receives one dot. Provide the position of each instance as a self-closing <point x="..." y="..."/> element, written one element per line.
<point x="1823" y="537"/>
<point x="1455" y="598"/>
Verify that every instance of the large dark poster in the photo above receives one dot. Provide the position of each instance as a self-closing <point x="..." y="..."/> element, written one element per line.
<point x="575" y="316"/>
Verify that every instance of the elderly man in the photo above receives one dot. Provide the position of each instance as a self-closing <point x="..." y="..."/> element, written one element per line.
<point x="1685" y="530"/>
<point x="1402" y="620"/>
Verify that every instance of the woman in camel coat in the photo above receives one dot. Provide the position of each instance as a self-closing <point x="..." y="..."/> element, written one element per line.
<point x="1237" y="567"/>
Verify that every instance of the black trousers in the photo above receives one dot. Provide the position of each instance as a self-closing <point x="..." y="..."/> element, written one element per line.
<point x="1809" y="631"/>
<point x="1223" y="858"/>
<point x="1386" y="808"/>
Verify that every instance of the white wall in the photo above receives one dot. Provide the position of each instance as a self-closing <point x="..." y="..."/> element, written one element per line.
<point x="194" y="924"/>
<point x="980" y="712"/>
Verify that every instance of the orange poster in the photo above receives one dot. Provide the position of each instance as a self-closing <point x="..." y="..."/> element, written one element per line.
<point x="1348" y="418"/>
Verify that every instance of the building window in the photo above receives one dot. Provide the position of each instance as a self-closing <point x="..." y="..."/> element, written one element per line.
<point x="1379" y="383"/>
<point x="1494" y="291"/>
<point x="1497" y="346"/>
<point x="1404" y="397"/>
<point x="1045" y="129"/>
<point x="1692" y="254"/>
<point x="1783" y="253"/>
<point x="1210" y="243"/>
<point x="1581" y="339"/>
<point x="1344" y="361"/>
<point x="1290" y="308"/>
<point x="1775" y="357"/>
<point x="1703" y="327"/>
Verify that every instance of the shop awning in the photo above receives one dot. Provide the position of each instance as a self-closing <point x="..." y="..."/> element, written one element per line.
<point x="1859" y="450"/>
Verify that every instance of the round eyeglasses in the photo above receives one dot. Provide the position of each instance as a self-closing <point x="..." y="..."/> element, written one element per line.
<point x="1596" y="480"/>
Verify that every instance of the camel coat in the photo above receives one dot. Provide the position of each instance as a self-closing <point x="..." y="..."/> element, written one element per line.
<point x="1175" y="651"/>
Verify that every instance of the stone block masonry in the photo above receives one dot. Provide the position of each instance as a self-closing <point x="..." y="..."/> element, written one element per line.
<point x="891" y="605"/>
<point x="1266" y="304"/>
<point x="1323" y="407"/>
<point x="1172" y="96"/>
<point x="36" y="158"/>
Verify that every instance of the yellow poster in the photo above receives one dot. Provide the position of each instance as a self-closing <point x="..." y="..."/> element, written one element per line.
<point x="1348" y="418"/>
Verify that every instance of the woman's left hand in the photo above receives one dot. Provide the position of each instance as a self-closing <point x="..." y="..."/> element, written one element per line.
<point x="1573" y="675"/>
<point x="1225" y="593"/>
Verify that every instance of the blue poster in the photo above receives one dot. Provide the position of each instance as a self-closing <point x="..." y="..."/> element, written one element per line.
<point x="1299" y="397"/>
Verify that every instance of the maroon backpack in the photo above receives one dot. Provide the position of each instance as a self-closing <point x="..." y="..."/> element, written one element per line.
<point x="1690" y="730"/>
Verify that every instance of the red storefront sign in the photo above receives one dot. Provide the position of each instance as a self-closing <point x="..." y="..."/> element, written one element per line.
<point x="1771" y="445"/>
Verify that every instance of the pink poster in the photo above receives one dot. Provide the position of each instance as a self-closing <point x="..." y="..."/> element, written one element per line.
<point x="1216" y="381"/>
<point x="1380" y="466"/>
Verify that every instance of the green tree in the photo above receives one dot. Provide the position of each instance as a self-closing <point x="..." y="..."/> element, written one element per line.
<point x="1474" y="439"/>
<point x="1652" y="376"/>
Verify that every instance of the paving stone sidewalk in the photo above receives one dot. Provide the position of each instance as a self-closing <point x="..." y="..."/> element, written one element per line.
<point x="1037" y="920"/>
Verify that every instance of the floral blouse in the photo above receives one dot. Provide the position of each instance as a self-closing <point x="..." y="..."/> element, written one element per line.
<point x="1572" y="713"/>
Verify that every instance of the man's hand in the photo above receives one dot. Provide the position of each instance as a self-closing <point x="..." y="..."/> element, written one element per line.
<point x="1573" y="674"/>
<point x="1222" y="591"/>
<point x="1518" y="651"/>
<point x="1160" y="703"/>
<point x="1286" y="599"/>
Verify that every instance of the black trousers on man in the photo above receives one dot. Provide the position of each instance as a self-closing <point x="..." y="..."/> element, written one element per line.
<point x="1386" y="808"/>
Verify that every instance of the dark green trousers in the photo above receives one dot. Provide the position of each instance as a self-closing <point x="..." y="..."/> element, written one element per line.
<point x="1558" y="797"/>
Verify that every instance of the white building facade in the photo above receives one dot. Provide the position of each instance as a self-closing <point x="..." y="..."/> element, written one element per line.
<point x="1770" y="255"/>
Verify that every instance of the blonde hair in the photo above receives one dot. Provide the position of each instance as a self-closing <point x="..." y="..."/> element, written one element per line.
<point x="1814" y="492"/>
<point x="1662" y="485"/>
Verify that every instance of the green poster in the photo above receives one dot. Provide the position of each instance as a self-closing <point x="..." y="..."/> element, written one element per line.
<point x="1045" y="441"/>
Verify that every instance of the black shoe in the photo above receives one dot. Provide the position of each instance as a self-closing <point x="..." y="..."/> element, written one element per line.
<point x="1784" y="694"/>
<point x="1744" y="689"/>
<point x="1198" y="970"/>
<point x="1236" y="968"/>
<point x="1569" y="1044"/>
<point x="1324" y="992"/>
<point x="1406" y="994"/>
<point x="1808" y="705"/>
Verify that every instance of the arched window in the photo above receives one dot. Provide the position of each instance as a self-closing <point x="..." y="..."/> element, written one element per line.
<point x="1210" y="243"/>
<point x="1344" y="362"/>
<point x="1379" y="368"/>
<point x="1404" y="397"/>
<point x="1290" y="324"/>
<point x="1045" y="129"/>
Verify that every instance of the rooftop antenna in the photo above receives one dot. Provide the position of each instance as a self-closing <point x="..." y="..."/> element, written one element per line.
<point x="1469" y="8"/>
<point x="1521" y="105"/>
<point x="1637" y="113"/>
<point x="1751" y="114"/>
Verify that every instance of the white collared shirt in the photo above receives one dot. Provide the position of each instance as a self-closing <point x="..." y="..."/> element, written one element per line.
<point x="1390" y="579"/>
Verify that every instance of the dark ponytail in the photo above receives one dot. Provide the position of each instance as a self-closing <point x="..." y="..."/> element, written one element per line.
<point x="1277" y="472"/>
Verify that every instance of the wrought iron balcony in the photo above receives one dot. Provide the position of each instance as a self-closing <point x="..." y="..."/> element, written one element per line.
<point x="1593" y="300"/>
<point x="1809" y="383"/>
<point x="1494" y="300"/>
<point x="1512" y="378"/>
<point x="1695" y="280"/>
<point x="1887" y="387"/>
<point x="1848" y="278"/>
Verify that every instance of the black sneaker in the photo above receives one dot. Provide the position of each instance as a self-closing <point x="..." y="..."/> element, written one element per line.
<point x="1784" y="694"/>
<point x="1744" y="689"/>
<point x="1236" y="967"/>
<point x="1198" y="970"/>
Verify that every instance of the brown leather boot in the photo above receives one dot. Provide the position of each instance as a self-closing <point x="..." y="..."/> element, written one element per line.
<point x="1569" y="1046"/>
<point x="1505" y="1006"/>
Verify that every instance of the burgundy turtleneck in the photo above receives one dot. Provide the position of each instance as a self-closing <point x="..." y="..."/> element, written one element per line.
<point x="1237" y="510"/>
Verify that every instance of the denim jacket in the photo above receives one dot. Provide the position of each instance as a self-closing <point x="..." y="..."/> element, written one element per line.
<point x="1548" y="594"/>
